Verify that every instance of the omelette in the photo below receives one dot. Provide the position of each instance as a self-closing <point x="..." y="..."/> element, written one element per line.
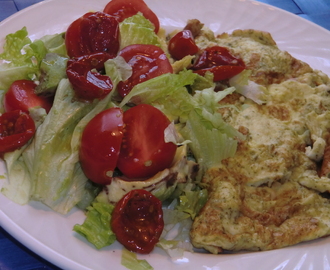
<point x="273" y="192"/>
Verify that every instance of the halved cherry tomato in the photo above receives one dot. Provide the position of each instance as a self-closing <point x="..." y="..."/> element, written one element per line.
<point x="147" y="62"/>
<point x="220" y="62"/>
<point x="123" y="9"/>
<point x="87" y="82"/>
<point x="91" y="33"/>
<point x="182" y="44"/>
<point x="144" y="151"/>
<point x="16" y="129"/>
<point x="21" y="96"/>
<point x="100" y="145"/>
<point x="137" y="221"/>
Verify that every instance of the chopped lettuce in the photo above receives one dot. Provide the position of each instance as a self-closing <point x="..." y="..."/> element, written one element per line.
<point x="53" y="70"/>
<point x="192" y="201"/>
<point x="52" y="158"/>
<point x="117" y="69"/>
<point x="210" y="144"/>
<point x="19" y="185"/>
<point x="166" y="92"/>
<point x="96" y="227"/>
<point x="256" y="92"/>
<point x="130" y="261"/>
<point x="21" y="58"/>
<point x="55" y="44"/>
<point x="178" y="218"/>
<point x="137" y="30"/>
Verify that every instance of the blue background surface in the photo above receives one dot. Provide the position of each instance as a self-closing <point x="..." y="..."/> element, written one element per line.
<point x="13" y="255"/>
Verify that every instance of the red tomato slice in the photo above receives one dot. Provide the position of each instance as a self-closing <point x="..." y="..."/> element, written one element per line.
<point x="123" y="9"/>
<point x="16" y="129"/>
<point x="144" y="151"/>
<point x="100" y="145"/>
<point x="182" y="44"/>
<point x="220" y="62"/>
<point x="91" y="33"/>
<point x="221" y="72"/>
<point x="21" y="96"/>
<point x="137" y="221"/>
<point x="147" y="62"/>
<point x="86" y="82"/>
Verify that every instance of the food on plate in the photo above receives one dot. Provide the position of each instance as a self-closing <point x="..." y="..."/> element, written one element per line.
<point x="137" y="221"/>
<point x="21" y="96"/>
<point x="226" y="132"/>
<point x="94" y="32"/>
<point x="84" y="74"/>
<point x="147" y="61"/>
<point x="16" y="129"/>
<point x="100" y="145"/>
<point x="270" y="194"/>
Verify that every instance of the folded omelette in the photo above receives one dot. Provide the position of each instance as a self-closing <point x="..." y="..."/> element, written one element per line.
<point x="274" y="192"/>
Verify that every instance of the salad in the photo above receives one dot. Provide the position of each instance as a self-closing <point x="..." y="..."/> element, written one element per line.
<point x="95" y="82"/>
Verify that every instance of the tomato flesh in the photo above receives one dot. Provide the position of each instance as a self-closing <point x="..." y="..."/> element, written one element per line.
<point x="221" y="73"/>
<point x="147" y="62"/>
<point x="16" y="129"/>
<point x="91" y="33"/>
<point x="87" y="83"/>
<point x="220" y="62"/>
<point x="182" y="44"/>
<point x="137" y="221"/>
<point x="122" y="9"/>
<point x="21" y="96"/>
<point x="144" y="151"/>
<point x="100" y="145"/>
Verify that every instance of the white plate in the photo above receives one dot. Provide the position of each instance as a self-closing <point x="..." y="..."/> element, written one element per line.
<point x="50" y="235"/>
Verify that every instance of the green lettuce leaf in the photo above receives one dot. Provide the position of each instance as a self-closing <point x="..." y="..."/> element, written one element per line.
<point x="192" y="201"/>
<point x="21" y="57"/>
<point x="167" y="92"/>
<point x="18" y="186"/>
<point x="130" y="261"/>
<point x="137" y="30"/>
<point x="52" y="157"/>
<point x="55" y="44"/>
<point x="96" y="227"/>
<point x="256" y="92"/>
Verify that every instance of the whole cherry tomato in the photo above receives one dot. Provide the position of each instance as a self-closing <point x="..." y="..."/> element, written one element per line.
<point x="100" y="145"/>
<point x="21" y="96"/>
<point x="182" y="44"/>
<point x="91" y="33"/>
<point x="144" y="151"/>
<point x="137" y="221"/>
<point x="147" y="62"/>
<point x="86" y="81"/>
<point x="16" y="129"/>
<point x="220" y="62"/>
<point x="123" y="9"/>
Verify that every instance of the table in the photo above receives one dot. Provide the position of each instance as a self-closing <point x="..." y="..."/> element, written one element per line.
<point x="13" y="255"/>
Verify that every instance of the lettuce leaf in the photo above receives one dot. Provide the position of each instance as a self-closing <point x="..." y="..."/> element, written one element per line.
<point x="130" y="261"/>
<point x="137" y="30"/>
<point x="21" y="58"/>
<point x="55" y="44"/>
<point x="96" y="227"/>
<point x="191" y="202"/>
<point x="52" y="158"/>
<point x="18" y="186"/>
<point x="256" y="92"/>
